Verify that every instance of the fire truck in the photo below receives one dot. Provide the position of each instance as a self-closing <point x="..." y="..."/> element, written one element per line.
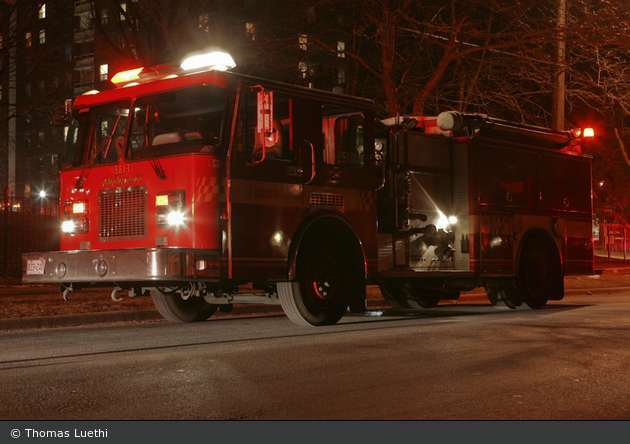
<point x="205" y="188"/>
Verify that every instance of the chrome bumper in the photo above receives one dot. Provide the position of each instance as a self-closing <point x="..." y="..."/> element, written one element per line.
<point x="108" y="266"/>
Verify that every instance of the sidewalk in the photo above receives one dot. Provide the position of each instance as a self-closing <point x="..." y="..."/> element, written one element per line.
<point x="615" y="264"/>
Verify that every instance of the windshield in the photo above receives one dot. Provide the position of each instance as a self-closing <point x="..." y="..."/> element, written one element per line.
<point x="97" y="135"/>
<point x="177" y="122"/>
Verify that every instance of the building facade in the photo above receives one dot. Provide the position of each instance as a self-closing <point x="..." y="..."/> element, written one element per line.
<point x="56" y="50"/>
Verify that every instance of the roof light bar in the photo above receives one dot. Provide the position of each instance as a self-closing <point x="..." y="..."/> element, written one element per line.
<point x="215" y="60"/>
<point x="126" y="76"/>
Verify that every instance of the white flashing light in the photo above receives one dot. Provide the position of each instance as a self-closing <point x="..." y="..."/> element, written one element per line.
<point x="67" y="226"/>
<point x="452" y="220"/>
<point x="215" y="60"/>
<point x="42" y="194"/>
<point x="442" y="222"/>
<point x="175" y="218"/>
<point x="91" y="92"/>
<point x="588" y="132"/>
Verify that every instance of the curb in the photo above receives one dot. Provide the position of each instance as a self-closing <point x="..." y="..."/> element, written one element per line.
<point x="79" y="319"/>
<point x="111" y="317"/>
<point x="239" y="311"/>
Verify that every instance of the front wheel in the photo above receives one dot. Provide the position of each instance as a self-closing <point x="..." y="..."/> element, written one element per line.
<point x="326" y="282"/>
<point x="170" y="304"/>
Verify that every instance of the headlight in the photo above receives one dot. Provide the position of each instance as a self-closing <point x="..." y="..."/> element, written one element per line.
<point x="75" y="217"/>
<point x="175" y="218"/>
<point x="67" y="226"/>
<point x="170" y="209"/>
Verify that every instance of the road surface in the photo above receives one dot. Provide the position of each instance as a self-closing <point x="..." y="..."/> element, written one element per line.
<point x="567" y="361"/>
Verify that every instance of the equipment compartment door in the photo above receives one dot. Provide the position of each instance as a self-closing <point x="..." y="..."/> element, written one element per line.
<point x="495" y="236"/>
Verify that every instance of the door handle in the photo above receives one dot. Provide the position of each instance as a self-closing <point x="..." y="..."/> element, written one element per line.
<point x="313" y="171"/>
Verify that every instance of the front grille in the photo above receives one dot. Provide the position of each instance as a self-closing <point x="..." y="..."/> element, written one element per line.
<point x="122" y="214"/>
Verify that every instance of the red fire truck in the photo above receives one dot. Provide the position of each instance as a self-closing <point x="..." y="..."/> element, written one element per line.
<point x="205" y="188"/>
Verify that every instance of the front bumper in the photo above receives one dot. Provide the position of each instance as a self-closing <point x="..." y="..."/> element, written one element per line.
<point x="119" y="266"/>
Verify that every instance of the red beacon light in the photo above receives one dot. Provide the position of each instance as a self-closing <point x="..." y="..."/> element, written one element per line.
<point x="588" y="133"/>
<point x="131" y="75"/>
<point x="210" y="61"/>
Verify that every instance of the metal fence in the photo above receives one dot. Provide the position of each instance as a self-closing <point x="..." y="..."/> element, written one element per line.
<point x="612" y="240"/>
<point x="26" y="225"/>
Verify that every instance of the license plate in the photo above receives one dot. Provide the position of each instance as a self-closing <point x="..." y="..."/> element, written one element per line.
<point x="35" y="266"/>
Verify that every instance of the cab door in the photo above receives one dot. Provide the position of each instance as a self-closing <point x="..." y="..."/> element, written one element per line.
<point x="341" y="136"/>
<point x="265" y="184"/>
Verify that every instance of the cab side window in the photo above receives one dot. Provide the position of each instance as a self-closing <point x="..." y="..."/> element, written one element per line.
<point x="279" y="143"/>
<point x="343" y="136"/>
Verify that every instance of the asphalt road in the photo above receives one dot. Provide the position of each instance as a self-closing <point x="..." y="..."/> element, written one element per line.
<point x="567" y="361"/>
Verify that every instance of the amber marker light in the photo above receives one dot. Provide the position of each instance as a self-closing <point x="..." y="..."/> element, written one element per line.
<point x="161" y="200"/>
<point x="79" y="208"/>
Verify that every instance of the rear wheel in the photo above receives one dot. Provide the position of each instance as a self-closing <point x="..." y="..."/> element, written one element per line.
<point x="326" y="281"/>
<point x="170" y="304"/>
<point x="539" y="274"/>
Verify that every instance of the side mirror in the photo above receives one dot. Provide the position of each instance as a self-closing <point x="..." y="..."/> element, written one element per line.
<point x="62" y="118"/>
<point x="265" y="137"/>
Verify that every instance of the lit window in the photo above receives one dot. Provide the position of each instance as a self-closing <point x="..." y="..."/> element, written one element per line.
<point x="303" y="68"/>
<point x="204" y="20"/>
<point x="85" y="22"/>
<point x="0" y="92"/>
<point x="341" y="48"/>
<point x="303" y="42"/>
<point x="104" y="72"/>
<point x="250" y="31"/>
<point x="42" y="36"/>
<point x="341" y="77"/>
<point x="29" y="39"/>
<point x="104" y="16"/>
<point x="42" y="11"/>
<point x="123" y="14"/>
<point x="0" y="42"/>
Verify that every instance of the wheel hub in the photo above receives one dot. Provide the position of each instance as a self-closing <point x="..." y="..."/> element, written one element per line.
<point x="324" y="280"/>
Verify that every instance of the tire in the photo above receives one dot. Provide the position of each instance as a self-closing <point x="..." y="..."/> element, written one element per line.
<point x="504" y="297"/>
<point x="394" y="297"/>
<point x="425" y="298"/>
<point x="172" y="307"/>
<point x="411" y="297"/>
<point x="326" y="281"/>
<point x="538" y="274"/>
